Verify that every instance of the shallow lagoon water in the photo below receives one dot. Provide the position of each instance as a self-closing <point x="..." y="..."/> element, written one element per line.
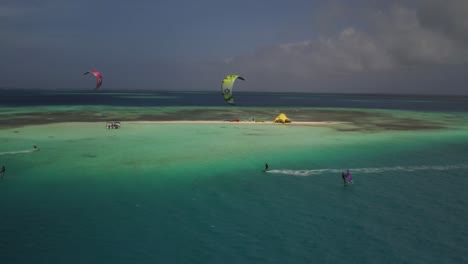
<point x="179" y="193"/>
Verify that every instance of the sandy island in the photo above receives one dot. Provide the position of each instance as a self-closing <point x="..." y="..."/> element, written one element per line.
<point x="303" y="123"/>
<point x="195" y="122"/>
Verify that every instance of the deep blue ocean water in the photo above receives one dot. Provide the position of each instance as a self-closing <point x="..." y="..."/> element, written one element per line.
<point x="161" y="98"/>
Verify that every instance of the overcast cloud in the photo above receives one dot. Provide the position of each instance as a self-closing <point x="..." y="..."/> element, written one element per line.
<point x="418" y="46"/>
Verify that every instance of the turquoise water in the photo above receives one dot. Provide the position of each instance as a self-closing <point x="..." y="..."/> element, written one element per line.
<point x="196" y="193"/>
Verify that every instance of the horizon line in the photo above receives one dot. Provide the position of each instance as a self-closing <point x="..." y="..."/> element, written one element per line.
<point x="211" y="91"/>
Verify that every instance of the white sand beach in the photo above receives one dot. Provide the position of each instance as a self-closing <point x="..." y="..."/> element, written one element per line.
<point x="303" y="123"/>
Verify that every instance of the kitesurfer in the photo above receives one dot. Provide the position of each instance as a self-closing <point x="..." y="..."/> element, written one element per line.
<point x="344" y="179"/>
<point x="2" y="171"/>
<point x="266" y="166"/>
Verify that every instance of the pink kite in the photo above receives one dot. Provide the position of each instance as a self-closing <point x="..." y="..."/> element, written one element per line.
<point x="348" y="176"/>
<point x="98" y="77"/>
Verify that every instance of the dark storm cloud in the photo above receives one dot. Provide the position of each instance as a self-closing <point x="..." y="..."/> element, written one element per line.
<point x="399" y="40"/>
<point x="447" y="17"/>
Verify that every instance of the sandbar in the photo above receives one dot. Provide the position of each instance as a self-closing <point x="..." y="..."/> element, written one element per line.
<point x="303" y="123"/>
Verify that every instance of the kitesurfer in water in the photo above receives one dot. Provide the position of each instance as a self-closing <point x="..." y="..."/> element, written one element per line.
<point x="344" y="179"/>
<point x="2" y="171"/>
<point x="266" y="167"/>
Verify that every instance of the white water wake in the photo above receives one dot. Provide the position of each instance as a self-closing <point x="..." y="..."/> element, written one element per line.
<point x="19" y="152"/>
<point x="304" y="173"/>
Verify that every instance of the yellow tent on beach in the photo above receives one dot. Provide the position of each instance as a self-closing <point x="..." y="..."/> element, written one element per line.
<point x="282" y="118"/>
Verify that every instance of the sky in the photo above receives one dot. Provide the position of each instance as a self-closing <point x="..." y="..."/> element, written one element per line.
<point x="333" y="46"/>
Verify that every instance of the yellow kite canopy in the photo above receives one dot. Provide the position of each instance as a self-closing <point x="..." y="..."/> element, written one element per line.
<point x="282" y="118"/>
<point x="226" y="87"/>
